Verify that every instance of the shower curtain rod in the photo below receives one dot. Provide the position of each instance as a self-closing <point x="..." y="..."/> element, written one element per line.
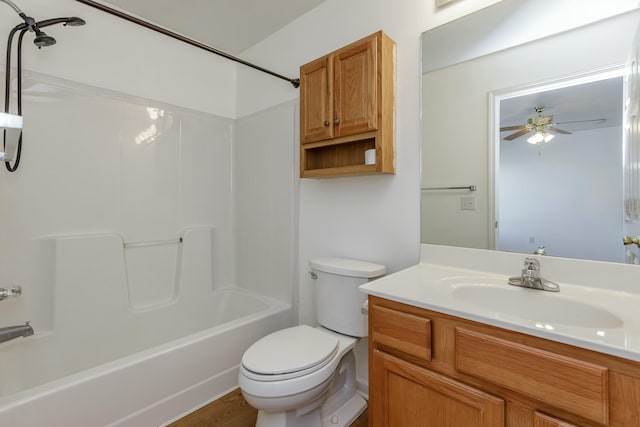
<point x="150" y="26"/>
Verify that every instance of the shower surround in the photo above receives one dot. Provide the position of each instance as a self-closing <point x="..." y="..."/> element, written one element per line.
<point x="121" y="228"/>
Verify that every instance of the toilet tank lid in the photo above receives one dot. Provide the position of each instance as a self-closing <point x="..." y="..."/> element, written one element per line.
<point x="347" y="267"/>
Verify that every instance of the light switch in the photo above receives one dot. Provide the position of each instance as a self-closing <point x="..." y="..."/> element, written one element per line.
<point x="468" y="203"/>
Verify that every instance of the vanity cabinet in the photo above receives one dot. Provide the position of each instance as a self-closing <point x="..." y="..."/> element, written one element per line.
<point x="436" y="370"/>
<point x="347" y="107"/>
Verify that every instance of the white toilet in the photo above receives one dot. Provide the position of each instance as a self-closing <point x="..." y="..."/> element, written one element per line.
<point x="304" y="376"/>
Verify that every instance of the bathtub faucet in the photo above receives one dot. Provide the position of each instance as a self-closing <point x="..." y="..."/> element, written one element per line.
<point x="10" y="332"/>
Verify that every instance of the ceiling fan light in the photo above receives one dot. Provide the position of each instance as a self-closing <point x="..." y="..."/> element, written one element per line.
<point x="548" y="137"/>
<point x="536" y="138"/>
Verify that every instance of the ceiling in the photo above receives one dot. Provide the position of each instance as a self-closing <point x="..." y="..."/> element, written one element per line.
<point x="228" y="25"/>
<point x="589" y="101"/>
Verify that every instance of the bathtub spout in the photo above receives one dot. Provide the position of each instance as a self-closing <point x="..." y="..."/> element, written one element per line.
<point x="10" y="332"/>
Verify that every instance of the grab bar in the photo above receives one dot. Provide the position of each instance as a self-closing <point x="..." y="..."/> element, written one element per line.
<point x="468" y="187"/>
<point x="14" y="291"/>
<point x="152" y="243"/>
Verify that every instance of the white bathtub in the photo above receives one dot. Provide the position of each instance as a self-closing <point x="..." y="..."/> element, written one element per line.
<point x="153" y="386"/>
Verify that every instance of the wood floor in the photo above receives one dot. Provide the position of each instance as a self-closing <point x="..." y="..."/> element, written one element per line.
<point x="232" y="410"/>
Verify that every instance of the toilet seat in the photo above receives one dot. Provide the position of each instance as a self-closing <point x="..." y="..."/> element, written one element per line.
<point x="289" y="353"/>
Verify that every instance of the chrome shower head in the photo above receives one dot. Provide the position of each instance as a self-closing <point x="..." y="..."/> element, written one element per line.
<point x="42" y="39"/>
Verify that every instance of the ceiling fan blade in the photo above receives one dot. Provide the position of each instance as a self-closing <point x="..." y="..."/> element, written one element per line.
<point x="517" y="127"/>
<point x="602" y="120"/>
<point x="556" y="130"/>
<point x="516" y="135"/>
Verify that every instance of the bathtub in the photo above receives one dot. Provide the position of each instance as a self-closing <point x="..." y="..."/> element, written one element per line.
<point x="153" y="386"/>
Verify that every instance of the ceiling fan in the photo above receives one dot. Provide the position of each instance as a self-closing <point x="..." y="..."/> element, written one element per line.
<point x="540" y="128"/>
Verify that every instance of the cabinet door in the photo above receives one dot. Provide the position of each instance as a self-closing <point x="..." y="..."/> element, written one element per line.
<point x="542" y="420"/>
<point x="403" y="394"/>
<point x="316" y="100"/>
<point x="356" y="97"/>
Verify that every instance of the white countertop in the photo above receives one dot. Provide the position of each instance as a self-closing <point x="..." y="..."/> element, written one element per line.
<point x="430" y="286"/>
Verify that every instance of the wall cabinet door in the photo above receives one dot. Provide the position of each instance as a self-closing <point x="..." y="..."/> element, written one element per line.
<point x="410" y="396"/>
<point x="339" y="93"/>
<point x="316" y="100"/>
<point x="355" y="72"/>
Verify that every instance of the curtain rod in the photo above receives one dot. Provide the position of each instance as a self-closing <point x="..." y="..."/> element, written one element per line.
<point x="150" y="26"/>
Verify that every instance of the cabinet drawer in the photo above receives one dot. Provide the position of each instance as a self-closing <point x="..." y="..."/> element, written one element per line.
<point x="576" y="386"/>
<point x="405" y="332"/>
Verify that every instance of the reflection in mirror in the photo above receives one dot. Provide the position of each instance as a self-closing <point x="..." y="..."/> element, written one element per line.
<point x="558" y="169"/>
<point x="466" y="99"/>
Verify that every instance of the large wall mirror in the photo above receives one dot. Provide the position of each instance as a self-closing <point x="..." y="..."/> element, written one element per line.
<point x="522" y="115"/>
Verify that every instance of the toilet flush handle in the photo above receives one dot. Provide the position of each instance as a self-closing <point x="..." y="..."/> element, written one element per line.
<point x="313" y="275"/>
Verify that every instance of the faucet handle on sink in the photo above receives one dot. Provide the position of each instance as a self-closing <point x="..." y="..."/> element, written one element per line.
<point x="531" y="267"/>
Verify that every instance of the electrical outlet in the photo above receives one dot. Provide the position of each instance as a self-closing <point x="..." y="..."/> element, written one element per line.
<point x="468" y="203"/>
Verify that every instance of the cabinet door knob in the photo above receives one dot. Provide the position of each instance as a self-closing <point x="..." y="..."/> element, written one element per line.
<point x="326" y="123"/>
<point x="336" y="122"/>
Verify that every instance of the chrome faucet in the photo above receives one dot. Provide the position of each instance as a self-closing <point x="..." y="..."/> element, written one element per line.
<point x="10" y="332"/>
<point x="532" y="279"/>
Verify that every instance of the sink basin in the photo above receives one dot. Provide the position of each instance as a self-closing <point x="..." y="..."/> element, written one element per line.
<point x="543" y="309"/>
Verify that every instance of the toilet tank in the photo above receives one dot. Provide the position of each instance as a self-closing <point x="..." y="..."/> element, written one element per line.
<point x="338" y="299"/>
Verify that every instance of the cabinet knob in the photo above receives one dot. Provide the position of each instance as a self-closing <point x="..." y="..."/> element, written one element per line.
<point x="326" y="123"/>
<point x="336" y="122"/>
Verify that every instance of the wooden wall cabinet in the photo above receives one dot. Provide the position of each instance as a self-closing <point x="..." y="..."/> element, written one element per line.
<point x="431" y="369"/>
<point x="347" y="107"/>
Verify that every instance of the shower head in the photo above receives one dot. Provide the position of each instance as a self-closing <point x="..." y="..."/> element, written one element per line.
<point x="42" y="39"/>
<point x="71" y="21"/>
<point x="74" y="21"/>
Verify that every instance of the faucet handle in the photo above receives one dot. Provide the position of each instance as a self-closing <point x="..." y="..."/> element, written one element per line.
<point x="531" y="267"/>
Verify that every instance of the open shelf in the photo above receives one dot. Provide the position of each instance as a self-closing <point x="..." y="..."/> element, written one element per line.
<point x="339" y="155"/>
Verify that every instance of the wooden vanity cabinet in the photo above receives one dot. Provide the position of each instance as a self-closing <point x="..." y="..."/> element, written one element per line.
<point x="347" y="107"/>
<point x="431" y="369"/>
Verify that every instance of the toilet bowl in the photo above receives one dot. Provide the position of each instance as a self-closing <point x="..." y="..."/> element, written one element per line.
<point x="304" y="376"/>
<point x="304" y="387"/>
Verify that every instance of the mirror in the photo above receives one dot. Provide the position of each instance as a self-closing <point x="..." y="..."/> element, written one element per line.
<point x="500" y="63"/>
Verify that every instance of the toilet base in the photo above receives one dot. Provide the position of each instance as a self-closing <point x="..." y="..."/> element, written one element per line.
<point x="342" y="417"/>
<point x="347" y="413"/>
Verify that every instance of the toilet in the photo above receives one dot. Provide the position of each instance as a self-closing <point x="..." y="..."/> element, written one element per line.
<point x="304" y="376"/>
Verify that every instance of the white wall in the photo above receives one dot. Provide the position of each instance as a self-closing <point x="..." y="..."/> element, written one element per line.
<point x="266" y="200"/>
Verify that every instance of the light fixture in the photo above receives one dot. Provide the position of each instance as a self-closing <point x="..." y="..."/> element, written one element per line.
<point x="539" y="136"/>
